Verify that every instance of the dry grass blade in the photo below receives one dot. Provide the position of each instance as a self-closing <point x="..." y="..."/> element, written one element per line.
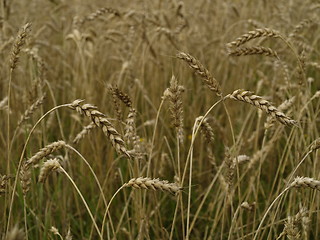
<point x="251" y="98"/>
<point x="153" y="184"/>
<point x="208" y="79"/>
<point x="258" y="50"/>
<point x="257" y="33"/>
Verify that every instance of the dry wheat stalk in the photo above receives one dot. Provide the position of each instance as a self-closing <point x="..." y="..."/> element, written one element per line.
<point x="257" y="50"/>
<point x="251" y="98"/>
<point x="257" y="33"/>
<point x="43" y="152"/>
<point x="18" y="44"/>
<point x="208" y="79"/>
<point x="154" y="184"/>
<point x="173" y="93"/>
<point x="48" y="167"/>
<point x="206" y="129"/>
<point x="305" y="182"/>
<point x="25" y="178"/>
<point x="31" y="110"/>
<point x="84" y="132"/>
<point x="101" y="121"/>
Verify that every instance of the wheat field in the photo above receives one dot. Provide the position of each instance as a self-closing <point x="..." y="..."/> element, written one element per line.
<point x="160" y="119"/>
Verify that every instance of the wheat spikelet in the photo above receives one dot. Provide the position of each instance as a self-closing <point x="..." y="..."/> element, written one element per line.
<point x="18" y="44"/>
<point x="257" y="33"/>
<point x="206" y="76"/>
<point x="305" y="182"/>
<point x="48" y="167"/>
<point x="173" y="93"/>
<point x="248" y="206"/>
<point x="31" y="110"/>
<point x="43" y="152"/>
<point x="257" y="50"/>
<point x="291" y="229"/>
<point x="84" y="132"/>
<point x="283" y="107"/>
<point x="121" y="96"/>
<point x="206" y="129"/>
<point x="3" y="183"/>
<point x="101" y="121"/>
<point x="315" y="145"/>
<point x="303" y="24"/>
<point x="241" y="159"/>
<point x="25" y="178"/>
<point x="3" y="103"/>
<point x="251" y="98"/>
<point x="154" y="184"/>
<point x="130" y="128"/>
<point x="91" y="17"/>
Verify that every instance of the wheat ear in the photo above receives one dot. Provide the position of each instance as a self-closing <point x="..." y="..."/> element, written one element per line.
<point x="206" y="76"/>
<point x="257" y="50"/>
<point x="84" y="132"/>
<point x="257" y="33"/>
<point x="154" y="184"/>
<point x="48" y="167"/>
<point x="251" y="98"/>
<point x="101" y="121"/>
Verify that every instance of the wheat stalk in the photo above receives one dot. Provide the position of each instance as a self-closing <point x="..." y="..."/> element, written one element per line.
<point x="251" y="98"/>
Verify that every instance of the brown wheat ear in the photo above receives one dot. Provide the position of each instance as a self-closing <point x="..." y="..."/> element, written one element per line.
<point x="154" y="184"/>
<point x="251" y="98"/>
<point x="48" y="167"/>
<point x="18" y="44"/>
<point x="43" y="152"/>
<point x="258" y="50"/>
<point x="101" y="121"/>
<point x="206" y="76"/>
<point x="84" y="132"/>
<point x="305" y="182"/>
<point x="257" y="33"/>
